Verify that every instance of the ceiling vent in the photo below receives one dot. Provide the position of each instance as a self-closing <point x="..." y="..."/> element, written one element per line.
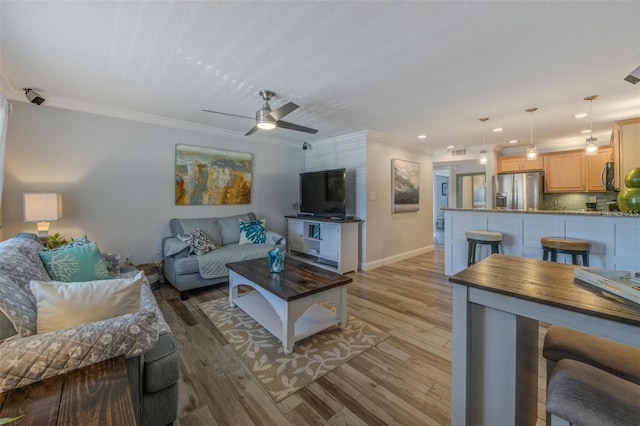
<point x="459" y="152"/>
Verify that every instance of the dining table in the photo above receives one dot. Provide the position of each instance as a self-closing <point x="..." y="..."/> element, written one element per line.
<point x="498" y="304"/>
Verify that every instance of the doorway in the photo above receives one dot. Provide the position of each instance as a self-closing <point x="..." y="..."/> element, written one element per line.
<point x="471" y="191"/>
<point x="441" y="193"/>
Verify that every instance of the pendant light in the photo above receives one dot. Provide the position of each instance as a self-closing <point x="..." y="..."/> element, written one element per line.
<point x="591" y="145"/>
<point x="483" y="153"/>
<point x="532" y="152"/>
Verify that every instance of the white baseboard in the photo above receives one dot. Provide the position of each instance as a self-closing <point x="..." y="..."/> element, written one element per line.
<point x="395" y="258"/>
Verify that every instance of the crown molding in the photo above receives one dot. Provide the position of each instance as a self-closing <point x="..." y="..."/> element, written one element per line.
<point x="123" y="114"/>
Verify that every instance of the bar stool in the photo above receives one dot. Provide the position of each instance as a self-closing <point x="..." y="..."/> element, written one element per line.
<point x="581" y="394"/>
<point x="575" y="248"/>
<point x="615" y="358"/>
<point x="475" y="237"/>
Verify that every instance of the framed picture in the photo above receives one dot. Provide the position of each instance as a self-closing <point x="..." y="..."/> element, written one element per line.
<point x="405" y="176"/>
<point x="445" y="187"/>
<point x="206" y="176"/>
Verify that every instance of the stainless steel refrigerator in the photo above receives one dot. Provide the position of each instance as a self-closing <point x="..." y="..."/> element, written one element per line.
<point x="519" y="191"/>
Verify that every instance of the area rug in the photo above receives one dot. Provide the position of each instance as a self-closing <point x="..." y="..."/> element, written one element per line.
<point x="280" y="374"/>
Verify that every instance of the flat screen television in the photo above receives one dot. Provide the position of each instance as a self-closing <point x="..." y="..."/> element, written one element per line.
<point x="323" y="193"/>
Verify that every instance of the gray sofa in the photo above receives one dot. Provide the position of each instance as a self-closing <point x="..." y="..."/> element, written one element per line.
<point x="187" y="272"/>
<point x="143" y="337"/>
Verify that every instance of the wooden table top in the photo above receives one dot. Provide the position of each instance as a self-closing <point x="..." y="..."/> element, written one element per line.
<point x="98" y="394"/>
<point x="297" y="280"/>
<point x="545" y="282"/>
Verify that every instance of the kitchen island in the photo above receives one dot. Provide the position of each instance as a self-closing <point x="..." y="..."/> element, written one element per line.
<point x="614" y="236"/>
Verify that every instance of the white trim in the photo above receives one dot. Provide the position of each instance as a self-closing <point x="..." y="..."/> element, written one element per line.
<point x="395" y="258"/>
<point x="157" y="120"/>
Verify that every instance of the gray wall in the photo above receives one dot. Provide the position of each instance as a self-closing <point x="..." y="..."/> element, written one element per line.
<point x="116" y="176"/>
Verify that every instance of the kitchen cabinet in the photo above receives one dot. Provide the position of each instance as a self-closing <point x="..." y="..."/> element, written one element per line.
<point x="565" y="172"/>
<point x="573" y="171"/>
<point x="519" y="163"/>
<point x="625" y="142"/>
<point x="595" y="169"/>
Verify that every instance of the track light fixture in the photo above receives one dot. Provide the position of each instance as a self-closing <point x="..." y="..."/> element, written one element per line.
<point x="33" y="97"/>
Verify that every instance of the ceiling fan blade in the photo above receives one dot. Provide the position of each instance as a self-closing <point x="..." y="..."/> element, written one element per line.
<point x="225" y="113"/>
<point x="285" y="109"/>
<point x="252" y="131"/>
<point x="291" y="126"/>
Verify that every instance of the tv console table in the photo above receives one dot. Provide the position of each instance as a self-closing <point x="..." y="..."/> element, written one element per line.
<point x="324" y="242"/>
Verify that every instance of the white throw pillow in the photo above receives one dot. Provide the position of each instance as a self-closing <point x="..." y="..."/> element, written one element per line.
<point x="62" y="305"/>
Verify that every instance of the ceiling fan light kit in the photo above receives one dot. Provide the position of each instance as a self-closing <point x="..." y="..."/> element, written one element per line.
<point x="267" y="119"/>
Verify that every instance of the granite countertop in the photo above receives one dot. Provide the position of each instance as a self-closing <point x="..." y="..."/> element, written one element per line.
<point x="560" y="212"/>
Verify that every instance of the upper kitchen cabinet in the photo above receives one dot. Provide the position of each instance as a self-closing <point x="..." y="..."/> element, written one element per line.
<point x="573" y="171"/>
<point x="565" y="172"/>
<point x="625" y="140"/>
<point x="596" y="165"/>
<point x="519" y="163"/>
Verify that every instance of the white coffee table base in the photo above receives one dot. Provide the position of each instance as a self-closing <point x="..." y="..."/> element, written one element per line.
<point x="289" y="321"/>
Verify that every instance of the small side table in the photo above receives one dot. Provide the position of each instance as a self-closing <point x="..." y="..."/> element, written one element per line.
<point x="98" y="394"/>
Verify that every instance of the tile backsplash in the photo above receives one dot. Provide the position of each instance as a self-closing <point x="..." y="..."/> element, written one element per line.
<point x="577" y="200"/>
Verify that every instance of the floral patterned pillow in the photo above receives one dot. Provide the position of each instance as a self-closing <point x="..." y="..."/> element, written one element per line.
<point x="83" y="263"/>
<point x="252" y="232"/>
<point x="198" y="242"/>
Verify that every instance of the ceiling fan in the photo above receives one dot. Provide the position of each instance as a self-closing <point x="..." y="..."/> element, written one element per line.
<point x="267" y="119"/>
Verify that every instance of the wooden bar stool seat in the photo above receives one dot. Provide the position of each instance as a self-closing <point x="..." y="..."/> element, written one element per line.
<point x="475" y="237"/>
<point x="555" y="245"/>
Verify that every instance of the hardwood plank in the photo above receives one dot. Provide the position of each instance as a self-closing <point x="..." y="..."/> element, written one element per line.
<point x="183" y="312"/>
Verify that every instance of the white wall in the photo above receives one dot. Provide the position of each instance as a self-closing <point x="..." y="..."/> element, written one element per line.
<point x="350" y="152"/>
<point x="116" y="176"/>
<point x="394" y="236"/>
<point x="384" y="237"/>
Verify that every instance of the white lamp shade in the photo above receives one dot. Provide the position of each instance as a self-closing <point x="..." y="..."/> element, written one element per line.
<point x="42" y="206"/>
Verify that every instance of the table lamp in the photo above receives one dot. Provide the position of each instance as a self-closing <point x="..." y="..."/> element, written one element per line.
<point x="42" y="207"/>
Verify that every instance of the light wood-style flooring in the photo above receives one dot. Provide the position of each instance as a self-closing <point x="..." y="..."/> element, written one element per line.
<point x="405" y="380"/>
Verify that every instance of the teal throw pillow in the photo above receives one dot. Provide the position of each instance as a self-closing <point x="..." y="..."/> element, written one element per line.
<point x="252" y="232"/>
<point x="76" y="264"/>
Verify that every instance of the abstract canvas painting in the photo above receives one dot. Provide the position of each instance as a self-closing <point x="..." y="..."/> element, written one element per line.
<point x="207" y="176"/>
<point x="405" y="177"/>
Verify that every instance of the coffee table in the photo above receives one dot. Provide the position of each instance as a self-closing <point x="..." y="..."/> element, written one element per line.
<point x="287" y="303"/>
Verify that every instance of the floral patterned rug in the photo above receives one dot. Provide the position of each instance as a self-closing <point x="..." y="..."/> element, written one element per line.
<point x="313" y="357"/>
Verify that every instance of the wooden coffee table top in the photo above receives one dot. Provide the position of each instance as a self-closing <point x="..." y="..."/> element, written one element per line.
<point x="298" y="279"/>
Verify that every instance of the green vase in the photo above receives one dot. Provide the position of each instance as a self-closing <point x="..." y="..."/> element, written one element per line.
<point x="629" y="200"/>
<point x="632" y="178"/>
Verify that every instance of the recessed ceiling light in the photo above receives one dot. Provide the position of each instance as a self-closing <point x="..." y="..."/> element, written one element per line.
<point x="585" y="131"/>
<point x="450" y="146"/>
<point x="581" y="115"/>
<point x="513" y="141"/>
<point x="498" y="129"/>
<point x="422" y="136"/>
